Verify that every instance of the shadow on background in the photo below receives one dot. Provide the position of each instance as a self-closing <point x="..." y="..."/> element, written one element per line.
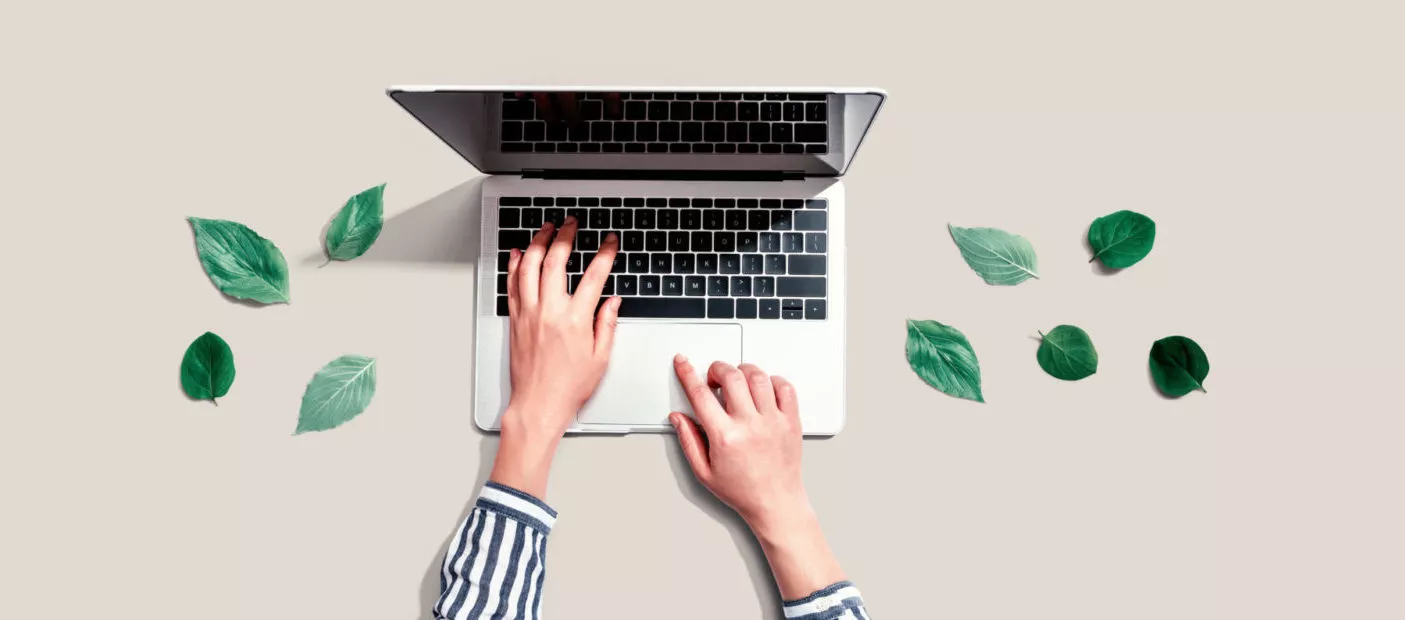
<point x="747" y="546"/>
<point x="444" y="229"/>
<point x="1098" y="266"/>
<point x="429" y="587"/>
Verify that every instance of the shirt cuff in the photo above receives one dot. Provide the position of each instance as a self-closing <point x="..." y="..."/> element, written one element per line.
<point x="517" y="505"/>
<point x="840" y="596"/>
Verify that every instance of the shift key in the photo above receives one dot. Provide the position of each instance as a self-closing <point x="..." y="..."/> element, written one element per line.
<point x="800" y="287"/>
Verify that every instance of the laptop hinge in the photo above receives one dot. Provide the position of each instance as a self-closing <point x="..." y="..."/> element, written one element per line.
<point x="666" y="175"/>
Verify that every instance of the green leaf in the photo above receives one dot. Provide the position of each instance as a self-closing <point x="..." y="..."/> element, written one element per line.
<point x="944" y="359"/>
<point x="357" y="225"/>
<point x="998" y="257"/>
<point x="239" y="262"/>
<point x="1122" y="239"/>
<point x="1067" y="353"/>
<point x="207" y="370"/>
<point x="337" y="393"/>
<point x="1179" y="366"/>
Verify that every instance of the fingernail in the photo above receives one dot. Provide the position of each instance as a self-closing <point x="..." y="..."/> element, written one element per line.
<point x="570" y="219"/>
<point x="610" y="237"/>
<point x="673" y="419"/>
<point x="680" y="359"/>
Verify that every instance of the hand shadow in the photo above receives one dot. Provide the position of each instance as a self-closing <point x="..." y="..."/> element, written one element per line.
<point x="444" y="229"/>
<point x="766" y="593"/>
<point x="429" y="587"/>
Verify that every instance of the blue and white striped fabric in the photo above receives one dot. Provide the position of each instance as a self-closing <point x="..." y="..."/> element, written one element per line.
<point x="496" y="565"/>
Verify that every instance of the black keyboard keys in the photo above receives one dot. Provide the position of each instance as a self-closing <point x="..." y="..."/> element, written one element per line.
<point x="622" y="218"/>
<point x="532" y="218"/>
<point x="691" y="219"/>
<point x="644" y="218"/>
<point x="775" y="264"/>
<point x="656" y="241"/>
<point x="509" y="217"/>
<point x="770" y="309"/>
<point x="508" y="239"/>
<point x="649" y="285"/>
<point x="724" y="241"/>
<point x="668" y="219"/>
<point x="816" y="243"/>
<point x="587" y="240"/>
<point x="702" y="241"/>
<point x="758" y="219"/>
<point x="765" y="286"/>
<point x="678" y="241"/>
<point x="639" y="263"/>
<point x="713" y="219"/>
<point x="720" y="309"/>
<point x="811" y="220"/>
<point x="746" y="308"/>
<point x="683" y="263"/>
<point x="806" y="265"/>
<point x="747" y="242"/>
<point x="751" y="263"/>
<point x="800" y="287"/>
<point x="661" y="263"/>
<point x="717" y="286"/>
<point x="599" y="218"/>
<point x="663" y="307"/>
<point x="741" y="286"/>
<point x="707" y="263"/>
<point x="810" y="132"/>
<point x="730" y="264"/>
<point x="633" y="241"/>
<point x="626" y="285"/>
<point x="814" y="309"/>
<point x="794" y="242"/>
<point x="792" y="309"/>
<point x="736" y="219"/>
<point x="695" y="286"/>
<point x="672" y="286"/>
<point x="770" y="242"/>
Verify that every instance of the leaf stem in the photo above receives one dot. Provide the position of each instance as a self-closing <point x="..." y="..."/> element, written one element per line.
<point x="216" y="403"/>
<point x="329" y="261"/>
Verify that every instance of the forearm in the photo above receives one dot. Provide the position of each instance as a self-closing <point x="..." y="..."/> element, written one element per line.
<point x="525" y="452"/>
<point x="807" y="574"/>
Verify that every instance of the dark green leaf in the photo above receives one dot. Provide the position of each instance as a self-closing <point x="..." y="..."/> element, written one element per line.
<point x="1067" y="353"/>
<point x="1121" y="239"/>
<point x="239" y="262"/>
<point x="207" y="370"/>
<point x="998" y="257"/>
<point x="337" y="393"/>
<point x="941" y="355"/>
<point x="1179" y="366"/>
<point x="357" y="225"/>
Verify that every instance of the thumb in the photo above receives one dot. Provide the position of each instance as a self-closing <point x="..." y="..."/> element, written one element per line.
<point x="690" y="438"/>
<point x="606" y="319"/>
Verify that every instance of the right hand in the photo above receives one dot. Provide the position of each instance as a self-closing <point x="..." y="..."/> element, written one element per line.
<point x="747" y="451"/>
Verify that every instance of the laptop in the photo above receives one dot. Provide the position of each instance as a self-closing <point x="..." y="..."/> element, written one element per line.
<point x="730" y="214"/>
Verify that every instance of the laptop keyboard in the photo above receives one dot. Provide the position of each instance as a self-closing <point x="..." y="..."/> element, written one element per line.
<point x="711" y="123"/>
<point x="688" y="258"/>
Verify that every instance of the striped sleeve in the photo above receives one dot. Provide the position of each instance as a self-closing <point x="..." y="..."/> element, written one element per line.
<point x="840" y="601"/>
<point x="497" y="560"/>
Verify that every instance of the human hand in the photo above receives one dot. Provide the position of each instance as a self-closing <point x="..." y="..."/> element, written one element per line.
<point x="559" y="348"/>
<point x="750" y="455"/>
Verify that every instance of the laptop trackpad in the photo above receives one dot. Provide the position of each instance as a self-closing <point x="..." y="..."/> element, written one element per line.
<point x="640" y="387"/>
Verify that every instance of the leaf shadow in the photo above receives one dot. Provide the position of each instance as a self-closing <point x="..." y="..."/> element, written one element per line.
<point x="1097" y="266"/>
<point x="248" y="303"/>
<point x="747" y="546"/>
<point x="429" y="586"/>
<point x="444" y="229"/>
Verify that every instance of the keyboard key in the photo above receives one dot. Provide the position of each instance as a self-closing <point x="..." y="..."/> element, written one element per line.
<point x="775" y="96"/>
<point x="672" y="286"/>
<point x="599" y="218"/>
<point x="747" y="242"/>
<point x="502" y="306"/>
<point x="680" y="111"/>
<point x="770" y="111"/>
<point x="782" y="132"/>
<point x="792" y="309"/>
<point x="626" y="285"/>
<point x="532" y="218"/>
<point x="690" y="219"/>
<point x="692" y="131"/>
<point x="736" y="132"/>
<point x="713" y="219"/>
<point x="611" y="201"/>
<point x="810" y="132"/>
<point x="668" y="219"/>
<point x="807" y="265"/>
<point x="816" y="203"/>
<point x="811" y="220"/>
<point x="702" y="111"/>
<point x="663" y="308"/>
<point x="726" y="148"/>
<point x="729" y="263"/>
<point x="573" y="263"/>
<point x="661" y="263"/>
<point x="509" y="217"/>
<point x="714" y="131"/>
<point x="748" y="148"/>
<point x="724" y="241"/>
<point x="792" y="203"/>
<point x="725" y="111"/>
<point x="717" y="286"/>
<point x="612" y="147"/>
<point x="580" y="133"/>
<point x="567" y="148"/>
<point x="534" y="131"/>
<point x="719" y="203"/>
<point x="775" y="264"/>
<point x="758" y="219"/>
<point x="695" y="286"/>
<point x="646" y="131"/>
<point x="508" y="239"/>
<point x="677" y="203"/>
<point x="620" y="264"/>
<point x="624" y="132"/>
<point x="770" y="148"/>
<point x="518" y="109"/>
<point x="770" y="242"/>
<point x="511" y="131"/>
<point x="793" y="111"/>
<point x="652" y="203"/>
<point x="658" y="147"/>
<point x="683" y="263"/>
<point x="649" y="285"/>
<point x="702" y="241"/>
<point x="815" y="112"/>
<point x="736" y="219"/>
<point x="751" y="263"/>
<point x="622" y="218"/>
<point x="609" y="288"/>
<point x="765" y="286"/>
<point x="746" y="308"/>
<point x="719" y="309"/>
<point x="555" y="215"/>
<point x="794" y="243"/>
<point x="678" y="147"/>
<point x="800" y="287"/>
<point x="644" y="218"/>
<point x="792" y="149"/>
<point x="636" y="110"/>
<point x="514" y="201"/>
<point x="502" y="284"/>
<point x="600" y="131"/>
<point x="503" y="257"/>
<point x="816" y="243"/>
<point x="770" y="203"/>
<point x="759" y="132"/>
<point x="781" y="220"/>
<point x="639" y="262"/>
<point x="770" y="309"/>
<point x="741" y="286"/>
<point x="814" y="309"/>
<point x="678" y="241"/>
<point x="669" y="131"/>
<point x="633" y="241"/>
<point x="556" y="132"/>
<point x="656" y="241"/>
<point x="658" y="110"/>
<point x="707" y="263"/>
<point x="749" y="112"/>
<point x="591" y="110"/>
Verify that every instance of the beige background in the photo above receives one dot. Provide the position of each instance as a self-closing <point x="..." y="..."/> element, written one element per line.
<point x="1264" y="137"/>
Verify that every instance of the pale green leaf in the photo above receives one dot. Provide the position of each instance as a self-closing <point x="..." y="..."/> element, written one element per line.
<point x="340" y="391"/>
<point x="207" y="370"/>
<point x="357" y="225"/>
<point x="942" y="357"/>
<point x="239" y="262"/>
<point x="998" y="257"/>
<point x="1067" y="353"/>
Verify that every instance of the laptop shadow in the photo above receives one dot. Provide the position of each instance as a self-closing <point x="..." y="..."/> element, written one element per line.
<point x="445" y="229"/>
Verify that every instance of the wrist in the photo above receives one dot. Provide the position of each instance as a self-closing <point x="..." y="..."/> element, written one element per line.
<point x="779" y="526"/>
<point x="525" y="452"/>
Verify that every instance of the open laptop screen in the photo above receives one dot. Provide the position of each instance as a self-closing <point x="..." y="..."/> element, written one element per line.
<point x="513" y="129"/>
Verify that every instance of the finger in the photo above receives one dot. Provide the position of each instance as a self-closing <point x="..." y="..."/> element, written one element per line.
<point x="554" y="265"/>
<point x="605" y="323"/>
<point x="735" y="394"/>
<point x="763" y="394"/>
<point x="529" y="273"/>
<point x="587" y="296"/>
<point x="705" y="406"/>
<point x="545" y="106"/>
<point x="514" y="260"/>
<point x="566" y="104"/>
<point x="691" y="440"/>
<point x="786" y="397"/>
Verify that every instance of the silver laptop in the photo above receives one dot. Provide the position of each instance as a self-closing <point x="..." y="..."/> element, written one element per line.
<point x="730" y="215"/>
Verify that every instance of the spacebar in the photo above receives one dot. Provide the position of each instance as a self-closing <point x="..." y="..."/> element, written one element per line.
<point x="662" y="308"/>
